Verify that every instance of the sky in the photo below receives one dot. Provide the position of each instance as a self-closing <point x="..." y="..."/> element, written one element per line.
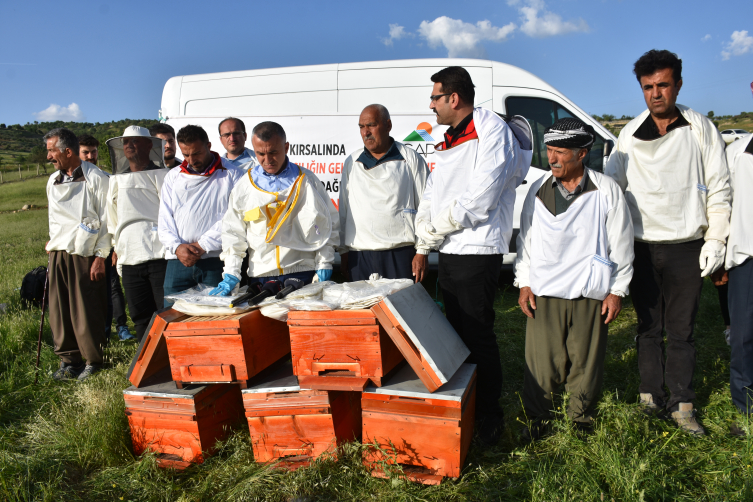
<point x="98" y="61"/>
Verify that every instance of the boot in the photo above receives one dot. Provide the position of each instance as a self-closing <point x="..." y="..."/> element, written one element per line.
<point x="685" y="419"/>
<point x="648" y="405"/>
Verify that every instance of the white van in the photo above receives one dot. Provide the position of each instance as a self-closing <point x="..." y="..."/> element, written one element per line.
<point x="318" y="106"/>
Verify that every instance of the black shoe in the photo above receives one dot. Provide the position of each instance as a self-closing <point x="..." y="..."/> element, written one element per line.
<point x="68" y="371"/>
<point x="89" y="371"/>
<point x="489" y="430"/>
<point x="537" y="430"/>
<point x="737" y="431"/>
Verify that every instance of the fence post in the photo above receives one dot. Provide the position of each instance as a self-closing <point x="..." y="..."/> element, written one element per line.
<point x="1" y="176"/>
<point x="19" y="171"/>
<point x="37" y="169"/>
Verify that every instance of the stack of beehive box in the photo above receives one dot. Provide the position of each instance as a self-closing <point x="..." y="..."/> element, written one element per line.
<point x="392" y="376"/>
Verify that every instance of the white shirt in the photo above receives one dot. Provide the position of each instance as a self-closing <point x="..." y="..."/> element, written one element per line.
<point x="192" y="206"/>
<point x="740" y="242"/>
<point x="378" y="206"/>
<point x="78" y="213"/>
<point x="676" y="185"/>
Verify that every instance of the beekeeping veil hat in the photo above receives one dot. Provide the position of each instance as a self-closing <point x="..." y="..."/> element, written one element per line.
<point x="121" y="164"/>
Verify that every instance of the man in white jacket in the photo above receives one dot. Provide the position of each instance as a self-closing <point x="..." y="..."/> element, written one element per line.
<point x="380" y="190"/>
<point x="132" y="211"/>
<point x="78" y="246"/>
<point x="573" y="267"/>
<point x="280" y="215"/>
<point x="669" y="162"/>
<point x="740" y="266"/>
<point x="193" y="201"/>
<point x="466" y="212"/>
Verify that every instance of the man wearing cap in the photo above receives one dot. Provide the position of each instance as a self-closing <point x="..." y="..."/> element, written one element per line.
<point x="133" y="210"/>
<point x="233" y="137"/>
<point x="166" y="133"/>
<point x="573" y="267"/>
<point x="280" y="215"/>
<point x="78" y="246"/>
<point x="670" y="163"/>
<point x="193" y="201"/>
<point x="466" y="212"/>
<point x="380" y="190"/>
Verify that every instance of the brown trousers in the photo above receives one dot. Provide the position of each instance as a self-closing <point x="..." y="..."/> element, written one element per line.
<point x="78" y="307"/>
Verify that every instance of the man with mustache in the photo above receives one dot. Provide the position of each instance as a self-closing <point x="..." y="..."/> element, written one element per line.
<point x="166" y="133"/>
<point x="670" y="163"/>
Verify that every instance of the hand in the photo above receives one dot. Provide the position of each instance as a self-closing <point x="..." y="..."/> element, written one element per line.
<point x="188" y="254"/>
<point x="712" y="256"/>
<point x="526" y="297"/>
<point x="114" y="259"/>
<point x="720" y="277"/>
<point x="324" y="274"/>
<point x="613" y="305"/>
<point x="344" y="265"/>
<point x="97" y="271"/>
<point x="419" y="266"/>
<point x="227" y="285"/>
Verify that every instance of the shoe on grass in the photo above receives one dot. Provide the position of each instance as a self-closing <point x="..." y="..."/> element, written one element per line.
<point x="68" y="371"/>
<point x="124" y="334"/>
<point x="726" y="335"/>
<point x="89" y="370"/>
<point x="648" y="405"/>
<point x="489" y="430"/>
<point x="537" y="430"/>
<point x="684" y="417"/>
<point x="738" y="430"/>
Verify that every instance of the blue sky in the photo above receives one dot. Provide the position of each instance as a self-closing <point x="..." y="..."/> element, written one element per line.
<point x="101" y="61"/>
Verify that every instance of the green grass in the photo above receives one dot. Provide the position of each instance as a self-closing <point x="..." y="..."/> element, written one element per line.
<point x="13" y="196"/>
<point x="70" y="441"/>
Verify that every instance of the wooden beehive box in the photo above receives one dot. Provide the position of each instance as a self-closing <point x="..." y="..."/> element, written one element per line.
<point x="427" y="433"/>
<point x="151" y="359"/>
<point x="181" y="425"/>
<point x="224" y="349"/>
<point x="295" y="425"/>
<point x="340" y="349"/>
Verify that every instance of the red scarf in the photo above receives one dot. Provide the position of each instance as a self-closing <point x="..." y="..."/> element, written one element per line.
<point x="217" y="164"/>
<point x="467" y="134"/>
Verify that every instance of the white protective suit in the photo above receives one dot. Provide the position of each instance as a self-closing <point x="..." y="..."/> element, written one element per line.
<point x="78" y="214"/>
<point x="378" y="206"/>
<point x="585" y="251"/>
<point x="132" y="210"/>
<point x="677" y="186"/>
<point x="740" y="162"/>
<point x="192" y="207"/>
<point x="467" y="206"/>
<point x="295" y="230"/>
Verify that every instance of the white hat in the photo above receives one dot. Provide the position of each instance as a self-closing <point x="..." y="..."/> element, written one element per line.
<point x="120" y="164"/>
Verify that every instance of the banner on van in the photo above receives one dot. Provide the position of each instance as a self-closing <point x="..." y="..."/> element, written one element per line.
<point x="421" y="133"/>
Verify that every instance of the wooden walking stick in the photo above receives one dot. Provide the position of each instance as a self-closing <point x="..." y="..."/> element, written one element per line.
<point x="41" y="324"/>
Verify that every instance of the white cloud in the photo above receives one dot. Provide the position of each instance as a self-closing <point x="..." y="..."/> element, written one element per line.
<point x="70" y="113"/>
<point x="540" y="23"/>
<point x="396" y="33"/>
<point x="462" y="39"/>
<point x="740" y="43"/>
<point x="706" y="38"/>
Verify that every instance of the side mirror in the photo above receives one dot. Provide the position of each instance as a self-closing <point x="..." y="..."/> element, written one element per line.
<point x="608" y="146"/>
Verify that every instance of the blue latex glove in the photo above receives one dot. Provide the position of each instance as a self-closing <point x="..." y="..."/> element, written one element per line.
<point x="324" y="274"/>
<point x="226" y="286"/>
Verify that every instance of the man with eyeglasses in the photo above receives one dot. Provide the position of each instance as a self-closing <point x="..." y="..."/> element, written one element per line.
<point x="233" y="137"/>
<point x="466" y="212"/>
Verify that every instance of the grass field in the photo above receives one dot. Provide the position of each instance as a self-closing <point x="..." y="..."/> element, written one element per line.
<point x="70" y="441"/>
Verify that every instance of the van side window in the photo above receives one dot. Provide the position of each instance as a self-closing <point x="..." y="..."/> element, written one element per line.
<point x="542" y="113"/>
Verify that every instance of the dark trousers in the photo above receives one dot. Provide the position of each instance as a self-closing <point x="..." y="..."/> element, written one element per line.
<point x="723" y="291"/>
<point x="666" y="291"/>
<point x="390" y="264"/>
<point x="144" y="291"/>
<point x="469" y="283"/>
<point x="179" y="278"/>
<point x="77" y="308"/>
<point x="741" y="336"/>
<point x="115" y="298"/>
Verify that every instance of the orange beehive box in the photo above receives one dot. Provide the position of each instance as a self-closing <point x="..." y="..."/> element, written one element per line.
<point x="295" y="425"/>
<point x="181" y="425"/>
<point x="224" y="349"/>
<point x="340" y="349"/>
<point x="151" y="358"/>
<point x="428" y="434"/>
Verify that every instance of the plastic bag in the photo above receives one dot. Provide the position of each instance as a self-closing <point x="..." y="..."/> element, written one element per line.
<point x="363" y="294"/>
<point x="306" y="298"/>
<point x="199" y="295"/>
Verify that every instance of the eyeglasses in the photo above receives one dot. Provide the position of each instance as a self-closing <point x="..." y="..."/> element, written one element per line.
<point x="435" y="97"/>
<point x="236" y="134"/>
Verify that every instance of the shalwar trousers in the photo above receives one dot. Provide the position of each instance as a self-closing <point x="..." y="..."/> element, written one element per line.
<point x="179" y="278"/>
<point x="144" y="291"/>
<point x="469" y="284"/>
<point x="390" y="263"/>
<point x="566" y="343"/>
<point x="666" y="292"/>
<point x="741" y="336"/>
<point x="78" y="307"/>
<point x="115" y="299"/>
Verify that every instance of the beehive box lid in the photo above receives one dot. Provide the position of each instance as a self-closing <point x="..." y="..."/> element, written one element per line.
<point x="279" y="379"/>
<point x="151" y="356"/>
<point x="167" y="390"/>
<point x="423" y="335"/>
<point x="406" y="383"/>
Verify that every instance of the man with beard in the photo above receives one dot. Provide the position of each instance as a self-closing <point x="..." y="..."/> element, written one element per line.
<point x="166" y="133"/>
